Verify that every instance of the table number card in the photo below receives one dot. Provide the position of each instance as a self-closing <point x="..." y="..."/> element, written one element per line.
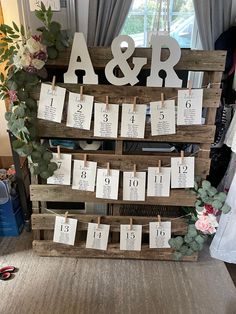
<point x="158" y="181"/>
<point x="63" y="174"/>
<point x="107" y="186"/>
<point x="106" y="120"/>
<point x="134" y="186"/>
<point x="51" y="103"/>
<point x="182" y="172"/>
<point x="54" y="4"/>
<point x="79" y="113"/>
<point x="159" y="234"/>
<point x="163" y="117"/>
<point x="189" y="107"/>
<point x="133" y="122"/>
<point x="130" y="240"/>
<point x="65" y="231"/>
<point x="97" y="237"/>
<point x="84" y="176"/>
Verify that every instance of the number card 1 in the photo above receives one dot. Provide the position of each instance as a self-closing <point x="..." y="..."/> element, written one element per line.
<point x="163" y="117"/>
<point x="133" y="121"/>
<point x="106" y="120"/>
<point x="130" y="238"/>
<point x="51" y="103"/>
<point x="65" y="231"/>
<point x="182" y="172"/>
<point x="84" y="176"/>
<point x="63" y="174"/>
<point x="134" y="186"/>
<point x="158" y="181"/>
<point x="189" y="107"/>
<point x="79" y="112"/>
<point x="97" y="236"/>
<point x="159" y="234"/>
<point x="107" y="185"/>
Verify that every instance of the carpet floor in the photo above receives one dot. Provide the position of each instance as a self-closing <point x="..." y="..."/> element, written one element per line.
<point x="51" y="285"/>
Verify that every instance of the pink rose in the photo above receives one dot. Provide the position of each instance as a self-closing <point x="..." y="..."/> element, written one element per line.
<point x="202" y="224"/>
<point x="12" y="95"/>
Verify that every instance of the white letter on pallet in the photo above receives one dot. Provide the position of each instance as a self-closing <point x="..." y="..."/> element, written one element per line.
<point x="80" y="50"/>
<point x="157" y="65"/>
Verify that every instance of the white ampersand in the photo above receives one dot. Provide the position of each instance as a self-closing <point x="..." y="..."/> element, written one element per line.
<point x="120" y="58"/>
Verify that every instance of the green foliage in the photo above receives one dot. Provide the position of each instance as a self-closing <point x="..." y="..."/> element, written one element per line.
<point x="225" y="209"/>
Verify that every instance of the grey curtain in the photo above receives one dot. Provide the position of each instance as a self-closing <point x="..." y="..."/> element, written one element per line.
<point x="105" y="20"/>
<point x="213" y="17"/>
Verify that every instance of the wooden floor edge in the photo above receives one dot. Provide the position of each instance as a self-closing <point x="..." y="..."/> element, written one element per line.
<point x="49" y="248"/>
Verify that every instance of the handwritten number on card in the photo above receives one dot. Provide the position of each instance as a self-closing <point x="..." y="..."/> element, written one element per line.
<point x="59" y="163"/>
<point x="162" y="116"/>
<point x="133" y="183"/>
<point x="83" y="175"/>
<point x="160" y="181"/>
<point x="97" y="234"/>
<point x="105" y="117"/>
<point x="51" y="101"/>
<point x="130" y="235"/>
<point x="107" y="181"/>
<point x="132" y="119"/>
<point x="188" y="104"/>
<point x="183" y="169"/>
<point x="160" y="232"/>
<point x="79" y="108"/>
<point x="65" y="228"/>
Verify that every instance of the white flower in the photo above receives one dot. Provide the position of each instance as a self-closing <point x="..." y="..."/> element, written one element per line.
<point x="33" y="45"/>
<point x="17" y="61"/>
<point x="212" y="220"/>
<point x="25" y="60"/>
<point x="38" y="64"/>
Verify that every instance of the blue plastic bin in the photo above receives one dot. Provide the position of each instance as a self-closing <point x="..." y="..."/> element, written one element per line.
<point x="11" y="216"/>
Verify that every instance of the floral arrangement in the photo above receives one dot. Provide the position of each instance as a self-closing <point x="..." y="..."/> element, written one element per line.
<point x="24" y="56"/>
<point x="203" y="220"/>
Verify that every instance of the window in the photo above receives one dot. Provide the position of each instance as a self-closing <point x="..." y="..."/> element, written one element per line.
<point x="142" y="21"/>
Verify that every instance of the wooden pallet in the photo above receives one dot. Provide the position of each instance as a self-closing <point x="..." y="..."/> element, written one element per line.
<point x="212" y="64"/>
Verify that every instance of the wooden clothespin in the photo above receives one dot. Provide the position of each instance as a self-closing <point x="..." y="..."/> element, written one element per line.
<point x="98" y="222"/>
<point x="85" y="160"/>
<point x="159" y="220"/>
<point x="134" y="104"/>
<point x="58" y="152"/>
<point x="190" y="87"/>
<point x="135" y="170"/>
<point x="108" y="169"/>
<point x="162" y="99"/>
<point x="66" y="217"/>
<point x="159" y="166"/>
<point x="81" y="92"/>
<point x="107" y="103"/>
<point x="182" y="156"/>
<point x="54" y="82"/>
<point x="130" y="223"/>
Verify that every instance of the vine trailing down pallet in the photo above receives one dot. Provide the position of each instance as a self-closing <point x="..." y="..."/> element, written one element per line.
<point x="30" y="130"/>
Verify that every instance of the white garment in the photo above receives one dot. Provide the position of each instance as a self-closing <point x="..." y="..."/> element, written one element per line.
<point x="230" y="137"/>
<point x="223" y="246"/>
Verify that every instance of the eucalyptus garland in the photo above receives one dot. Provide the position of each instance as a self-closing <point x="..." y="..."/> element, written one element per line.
<point x="24" y="56"/>
<point x="203" y="220"/>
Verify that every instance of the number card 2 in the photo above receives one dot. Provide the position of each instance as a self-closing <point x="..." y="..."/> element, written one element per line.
<point x="107" y="185"/>
<point x="63" y="174"/>
<point x="79" y="111"/>
<point x="163" y="117"/>
<point x="84" y="176"/>
<point x="189" y="107"/>
<point x="159" y="234"/>
<point x="133" y="121"/>
<point x="158" y="181"/>
<point x="51" y="103"/>
<point x="134" y="186"/>
<point x="64" y="232"/>
<point x="182" y="172"/>
<point x="106" y="120"/>
<point x="97" y="236"/>
<point x="130" y="239"/>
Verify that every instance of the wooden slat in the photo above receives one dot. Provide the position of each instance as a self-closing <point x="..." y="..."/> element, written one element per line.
<point x="194" y="60"/>
<point x="184" y="134"/>
<point x="47" y="222"/>
<point x="59" y="193"/>
<point x="126" y="94"/>
<point x="126" y="162"/>
<point x="50" y="248"/>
